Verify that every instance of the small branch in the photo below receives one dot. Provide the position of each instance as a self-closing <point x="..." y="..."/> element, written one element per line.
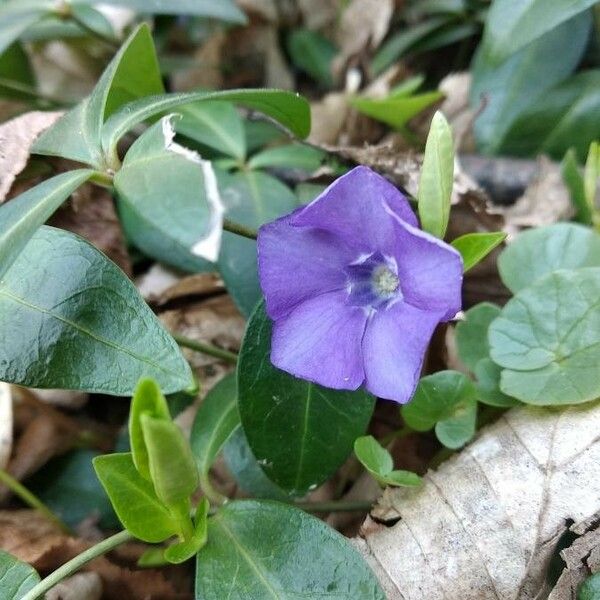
<point x="333" y="506"/>
<point x="209" y="349"/>
<point x="76" y="563"/>
<point x="240" y="229"/>
<point x="31" y="500"/>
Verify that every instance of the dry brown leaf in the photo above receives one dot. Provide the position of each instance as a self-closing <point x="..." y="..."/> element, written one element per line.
<point x="318" y="13"/>
<point x="16" y="138"/>
<point x="493" y="513"/>
<point x="82" y="586"/>
<point x="70" y="399"/>
<point x="6" y="424"/>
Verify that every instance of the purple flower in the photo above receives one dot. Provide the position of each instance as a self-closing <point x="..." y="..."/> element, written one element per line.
<point x="355" y="289"/>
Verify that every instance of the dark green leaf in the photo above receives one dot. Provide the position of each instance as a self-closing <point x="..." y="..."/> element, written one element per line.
<point x="133" y="499"/>
<point x="437" y="178"/>
<point x="277" y="551"/>
<point x="590" y="588"/>
<point x="312" y="53"/>
<point x="16" y="577"/>
<point x="537" y="252"/>
<point x="292" y="156"/>
<point x="575" y="184"/>
<point x="547" y="339"/>
<point x="22" y="216"/>
<point x="471" y="333"/>
<point x="251" y="198"/>
<point x="16" y="75"/>
<point x="87" y="322"/>
<point x="448" y="401"/>
<point x="488" y="375"/>
<point x="474" y="247"/>
<point x="299" y="432"/>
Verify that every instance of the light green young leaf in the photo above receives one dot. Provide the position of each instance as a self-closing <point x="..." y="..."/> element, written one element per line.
<point x="16" y="577"/>
<point x="182" y="551"/>
<point x="471" y="333"/>
<point x="134" y="499"/>
<point x="547" y="339"/>
<point x="437" y="178"/>
<point x="591" y="174"/>
<point x="474" y="247"/>
<point x="540" y="251"/>
<point x="89" y="325"/>
<point x="573" y="179"/>
<point x="292" y="156"/>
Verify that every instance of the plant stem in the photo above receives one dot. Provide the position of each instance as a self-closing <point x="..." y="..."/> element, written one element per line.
<point x="31" y="500"/>
<point x="239" y="229"/>
<point x="76" y="563"/>
<point x="39" y="98"/>
<point x="333" y="506"/>
<point x="400" y="433"/>
<point x="209" y="349"/>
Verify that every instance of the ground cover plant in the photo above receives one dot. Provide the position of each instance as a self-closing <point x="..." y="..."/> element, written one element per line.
<point x="299" y="300"/>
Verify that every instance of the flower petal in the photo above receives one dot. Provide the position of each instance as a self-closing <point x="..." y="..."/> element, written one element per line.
<point x="356" y="207"/>
<point x="297" y="263"/>
<point x="393" y="346"/>
<point x="320" y="340"/>
<point x="430" y="271"/>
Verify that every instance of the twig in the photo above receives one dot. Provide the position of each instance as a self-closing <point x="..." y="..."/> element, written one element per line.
<point x="239" y="229"/>
<point x="204" y="348"/>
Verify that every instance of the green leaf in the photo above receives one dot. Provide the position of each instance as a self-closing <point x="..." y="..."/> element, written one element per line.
<point x="133" y="499"/>
<point x="299" y="432"/>
<point x="437" y="177"/>
<point x="291" y="110"/>
<point x="471" y="333"/>
<point x="22" y="216"/>
<point x="513" y="24"/>
<point x="178" y="553"/>
<point x="251" y="198"/>
<point x="590" y="588"/>
<point x="537" y="252"/>
<point x="90" y="328"/>
<point x="217" y="125"/>
<point x="16" y="577"/>
<point x="474" y="247"/>
<point x="564" y="117"/>
<point x="18" y="15"/>
<point x="591" y="173"/>
<point x="448" y="401"/>
<point x="225" y="10"/>
<point x="524" y="79"/>
<point x="575" y="184"/>
<point x="133" y="73"/>
<point x="488" y="375"/>
<point x="547" y="339"/>
<point x="395" y="111"/>
<point x="277" y="551"/>
<point x="216" y="420"/>
<point x="147" y="400"/>
<point x="16" y="71"/>
<point x="154" y="171"/>
<point x="292" y="156"/>
<point x="378" y="462"/>
<point x="93" y="19"/>
<point x="312" y="53"/>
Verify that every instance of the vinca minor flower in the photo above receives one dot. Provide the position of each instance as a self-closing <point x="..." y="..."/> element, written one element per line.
<point x="355" y="289"/>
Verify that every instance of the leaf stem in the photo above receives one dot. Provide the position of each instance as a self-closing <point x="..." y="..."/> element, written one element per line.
<point x="335" y="506"/>
<point x="239" y="229"/>
<point x="111" y="43"/>
<point x="226" y="355"/>
<point x="31" y="500"/>
<point x="76" y="563"/>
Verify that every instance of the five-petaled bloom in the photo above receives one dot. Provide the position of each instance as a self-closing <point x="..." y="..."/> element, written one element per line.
<point x="355" y="289"/>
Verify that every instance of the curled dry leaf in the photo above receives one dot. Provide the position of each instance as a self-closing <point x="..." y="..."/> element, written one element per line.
<point x="494" y="512"/>
<point x="16" y="138"/>
<point x="6" y="424"/>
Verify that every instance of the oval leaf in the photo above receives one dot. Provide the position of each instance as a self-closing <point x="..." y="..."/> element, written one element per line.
<point x="471" y="333"/>
<point x="16" y="577"/>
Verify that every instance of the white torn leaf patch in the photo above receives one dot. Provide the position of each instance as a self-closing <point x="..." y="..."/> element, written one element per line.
<point x="209" y="245"/>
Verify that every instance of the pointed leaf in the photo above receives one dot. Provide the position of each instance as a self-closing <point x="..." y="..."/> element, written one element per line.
<point x="474" y="247"/>
<point x="575" y="184"/>
<point x="373" y="456"/>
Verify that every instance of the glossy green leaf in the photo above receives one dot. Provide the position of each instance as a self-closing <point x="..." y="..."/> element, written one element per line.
<point x="540" y="251"/>
<point x="299" y="432"/>
<point x="17" y="15"/>
<point x="590" y="588"/>
<point x="488" y="375"/>
<point x="395" y="111"/>
<point x="446" y="400"/>
<point x="547" y="339"/>
<point x="277" y="551"/>
<point x="16" y="577"/>
<point x="437" y="178"/>
<point x="133" y="73"/>
<point x="564" y="117"/>
<point x="291" y="110"/>
<point x="172" y="466"/>
<point x="312" y="53"/>
<point x="89" y="325"/>
<point x="134" y="499"/>
<point x="474" y="247"/>
<point x="523" y="80"/>
<point x="512" y="24"/>
<point x="21" y="217"/>
<point x="147" y="400"/>
<point x="182" y="551"/>
<point x="574" y="181"/>
<point x="164" y="199"/>
<point x="471" y="333"/>
<point x="291" y="156"/>
<point x="379" y="463"/>
<point x="216" y="420"/>
<point x="217" y="125"/>
<point x="251" y="198"/>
